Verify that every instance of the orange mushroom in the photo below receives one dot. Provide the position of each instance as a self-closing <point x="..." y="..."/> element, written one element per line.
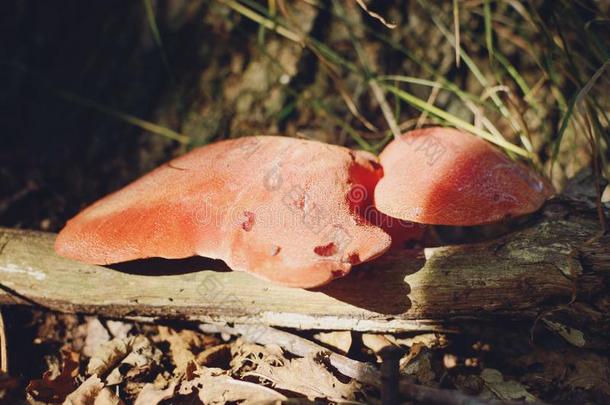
<point x="444" y="176"/>
<point x="285" y="209"/>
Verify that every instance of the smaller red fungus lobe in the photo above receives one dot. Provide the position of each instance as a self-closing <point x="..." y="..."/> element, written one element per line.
<point x="247" y="224"/>
<point x="326" y="250"/>
<point x="443" y="176"/>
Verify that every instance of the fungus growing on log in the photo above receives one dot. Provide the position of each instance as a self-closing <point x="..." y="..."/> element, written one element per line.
<point x="281" y="208"/>
<point x="298" y="212"/>
<point x="444" y="176"/>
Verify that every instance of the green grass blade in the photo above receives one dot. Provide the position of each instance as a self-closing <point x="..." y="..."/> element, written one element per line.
<point x="432" y="83"/>
<point x="128" y="118"/>
<point x="154" y="28"/>
<point x="453" y="120"/>
<point x="488" y="29"/>
<point x="472" y="66"/>
<point x="262" y="20"/>
<point x="456" y="28"/>
<point x="574" y="103"/>
<point x="394" y="45"/>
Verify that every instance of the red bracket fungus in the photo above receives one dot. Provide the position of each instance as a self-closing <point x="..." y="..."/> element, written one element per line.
<point x="444" y="176"/>
<point x="284" y="209"/>
<point x="301" y="213"/>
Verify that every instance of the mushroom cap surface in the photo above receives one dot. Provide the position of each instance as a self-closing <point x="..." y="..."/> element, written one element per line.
<point x="443" y="176"/>
<point x="282" y="208"/>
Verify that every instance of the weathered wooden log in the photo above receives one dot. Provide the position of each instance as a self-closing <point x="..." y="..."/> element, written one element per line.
<point x="556" y="267"/>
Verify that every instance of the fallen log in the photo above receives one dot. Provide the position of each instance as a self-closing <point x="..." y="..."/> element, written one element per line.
<point x="554" y="269"/>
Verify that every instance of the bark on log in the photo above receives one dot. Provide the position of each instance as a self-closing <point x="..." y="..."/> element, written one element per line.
<point x="531" y="272"/>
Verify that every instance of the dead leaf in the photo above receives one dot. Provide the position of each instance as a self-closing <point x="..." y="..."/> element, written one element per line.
<point x="107" y="397"/>
<point x="215" y="356"/>
<point x="430" y="340"/>
<point x="93" y="392"/>
<point x="151" y="395"/>
<point x="246" y="356"/>
<point x="215" y="387"/>
<point x="135" y="352"/>
<point x="86" y="392"/>
<point x="469" y="383"/>
<point x="163" y="379"/>
<point x="308" y="376"/>
<point x="590" y="371"/>
<point x="107" y="355"/>
<point x="142" y="357"/>
<point x="571" y="335"/>
<point x="418" y="363"/>
<point x="189" y="373"/>
<point x="119" y="329"/>
<point x="55" y="389"/>
<point x="576" y="369"/>
<point x="606" y="195"/>
<point x="52" y="324"/>
<point x="181" y="345"/>
<point x="375" y="342"/>
<point x="508" y="390"/>
<point x="7" y="384"/>
<point x="96" y="335"/>
<point x="339" y="340"/>
<point x="416" y="349"/>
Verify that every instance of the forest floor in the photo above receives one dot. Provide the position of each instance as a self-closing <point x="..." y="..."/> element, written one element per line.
<point x="79" y="76"/>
